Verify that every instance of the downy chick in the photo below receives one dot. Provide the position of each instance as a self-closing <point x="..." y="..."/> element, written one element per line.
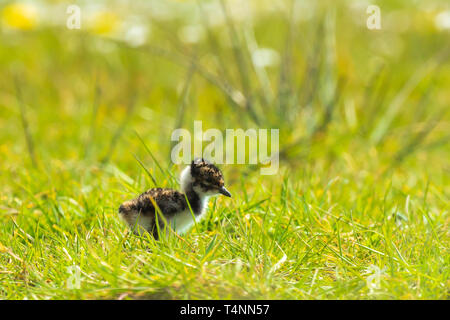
<point x="199" y="181"/>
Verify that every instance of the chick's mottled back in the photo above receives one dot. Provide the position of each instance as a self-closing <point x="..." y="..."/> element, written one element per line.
<point x="169" y="201"/>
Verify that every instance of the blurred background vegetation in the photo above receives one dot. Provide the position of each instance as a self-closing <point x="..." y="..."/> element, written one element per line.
<point x="370" y="105"/>
<point x="336" y="89"/>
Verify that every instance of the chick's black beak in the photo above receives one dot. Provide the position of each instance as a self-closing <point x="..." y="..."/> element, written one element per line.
<point x="225" y="192"/>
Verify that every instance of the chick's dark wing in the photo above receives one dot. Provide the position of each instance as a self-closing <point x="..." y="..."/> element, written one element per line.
<point x="169" y="201"/>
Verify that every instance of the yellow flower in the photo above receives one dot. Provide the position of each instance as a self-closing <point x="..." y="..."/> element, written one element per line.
<point x="105" y="22"/>
<point x="21" y="16"/>
<point x="3" y="249"/>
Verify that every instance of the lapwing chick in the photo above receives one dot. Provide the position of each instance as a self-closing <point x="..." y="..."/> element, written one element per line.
<point x="199" y="181"/>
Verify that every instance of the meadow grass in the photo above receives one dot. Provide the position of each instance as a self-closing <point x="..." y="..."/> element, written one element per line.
<point x="358" y="210"/>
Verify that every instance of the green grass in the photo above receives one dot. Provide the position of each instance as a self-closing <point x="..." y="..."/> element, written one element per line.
<point x="363" y="187"/>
